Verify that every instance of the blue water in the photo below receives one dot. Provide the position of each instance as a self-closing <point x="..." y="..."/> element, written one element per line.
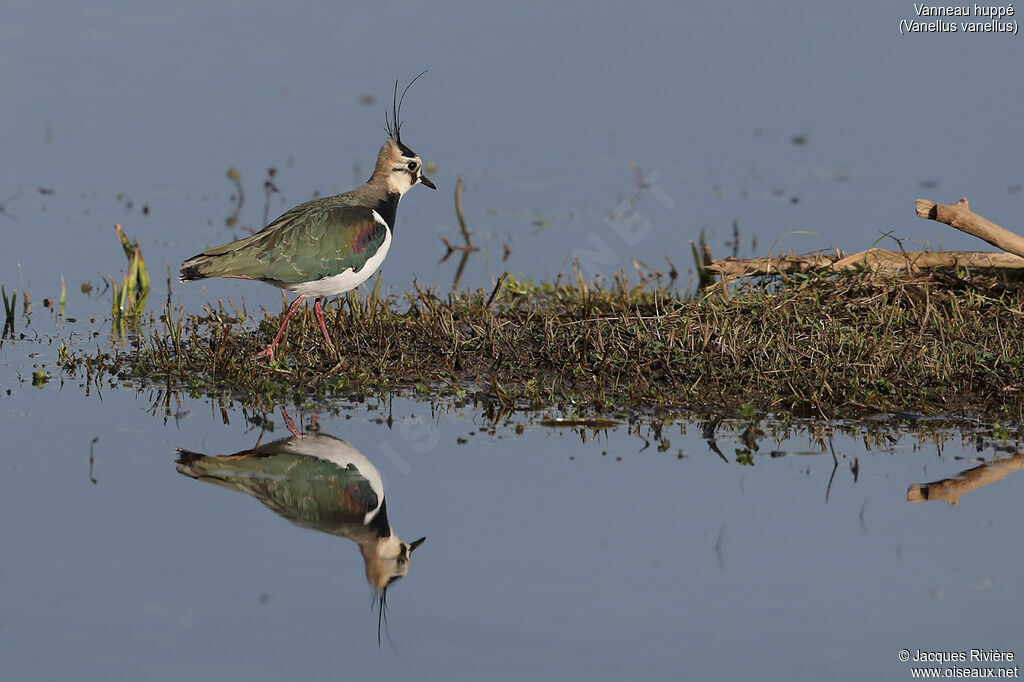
<point x="584" y="128"/>
<point x="547" y="555"/>
<point x="541" y="109"/>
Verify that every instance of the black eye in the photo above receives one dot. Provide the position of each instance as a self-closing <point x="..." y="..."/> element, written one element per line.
<point x="412" y="165"/>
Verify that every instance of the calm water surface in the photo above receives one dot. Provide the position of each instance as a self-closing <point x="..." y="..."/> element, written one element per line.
<point x="619" y="555"/>
<point x="803" y="118"/>
<point x="579" y="129"/>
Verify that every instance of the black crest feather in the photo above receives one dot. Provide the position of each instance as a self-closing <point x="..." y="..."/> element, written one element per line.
<point x="393" y="125"/>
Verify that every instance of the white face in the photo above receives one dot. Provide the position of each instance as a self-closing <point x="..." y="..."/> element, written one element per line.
<point x="389" y="560"/>
<point x="389" y="548"/>
<point x="406" y="174"/>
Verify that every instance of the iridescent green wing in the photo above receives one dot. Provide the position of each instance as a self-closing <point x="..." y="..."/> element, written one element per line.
<point x="311" y="492"/>
<point x="309" y="242"/>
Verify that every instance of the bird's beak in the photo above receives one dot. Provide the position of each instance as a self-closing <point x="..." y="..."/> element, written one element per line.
<point x="426" y="181"/>
<point x="419" y="542"/>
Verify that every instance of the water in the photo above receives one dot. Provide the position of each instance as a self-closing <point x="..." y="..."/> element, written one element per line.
<point x="548" y="555"/>
<point x="542" y="112"/>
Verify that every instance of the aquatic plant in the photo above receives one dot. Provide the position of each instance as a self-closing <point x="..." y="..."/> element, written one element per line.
<point x="129" y="299"/>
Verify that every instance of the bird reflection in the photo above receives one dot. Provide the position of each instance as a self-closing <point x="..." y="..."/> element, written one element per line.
<point x="320" y="482"/>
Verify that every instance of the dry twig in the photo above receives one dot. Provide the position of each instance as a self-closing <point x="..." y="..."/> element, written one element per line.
<point x="875" y="260"/>
<point x="960" y="216"/>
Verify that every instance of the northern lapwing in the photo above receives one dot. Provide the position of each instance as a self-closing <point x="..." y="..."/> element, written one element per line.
<point x="319" y="482"/>
<point x="329" y="245"/>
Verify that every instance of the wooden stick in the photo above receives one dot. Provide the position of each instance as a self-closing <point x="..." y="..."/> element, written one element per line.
<point x="743" y="267"/>
<point x="880" y="259"/>
<point x="872" y="259"/>
<point x="960" y="216"/>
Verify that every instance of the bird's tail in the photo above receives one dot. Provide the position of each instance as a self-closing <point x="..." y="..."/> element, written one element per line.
<point x="191" y="270"/>
<point x="225" y="468"/>
<point x="191" y="463"/>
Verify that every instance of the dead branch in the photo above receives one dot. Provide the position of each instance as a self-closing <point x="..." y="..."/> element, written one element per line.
<point x="468" y="247"/>
<point x="960" y="216"/>
<point x="744" y="267"/>
<point x="875" y="260"/>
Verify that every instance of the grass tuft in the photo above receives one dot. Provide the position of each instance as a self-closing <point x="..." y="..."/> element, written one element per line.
<point x="815" y="345"/>
<point x="129" y="299"/>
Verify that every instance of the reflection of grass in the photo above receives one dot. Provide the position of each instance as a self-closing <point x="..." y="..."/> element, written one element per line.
<point x="8" y="310"/>
<point x="807" y="344"/>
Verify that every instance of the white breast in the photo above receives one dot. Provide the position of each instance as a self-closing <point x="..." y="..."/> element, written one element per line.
<point x="341" y="454"/>
<point x="347" y="280"/>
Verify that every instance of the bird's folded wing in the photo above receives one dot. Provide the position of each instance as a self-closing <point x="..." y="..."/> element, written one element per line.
<point x="305" y="244"/>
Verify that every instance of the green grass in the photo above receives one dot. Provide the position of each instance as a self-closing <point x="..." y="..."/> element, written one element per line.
<point x="129" y="299"/>
<point x="842" y="345"/>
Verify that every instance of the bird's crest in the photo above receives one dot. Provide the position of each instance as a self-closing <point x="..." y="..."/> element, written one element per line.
<point x="375" y="572"/>
<point x="393" y="124"/>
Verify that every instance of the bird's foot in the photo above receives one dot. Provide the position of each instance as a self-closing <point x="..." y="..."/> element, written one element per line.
<point x="289" y="423"/>
<point x="318" y="311"/>
<point x="268" y="352"/>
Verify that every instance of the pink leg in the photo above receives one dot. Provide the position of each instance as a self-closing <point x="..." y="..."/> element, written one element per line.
<point x="289" y="423"/>
<point x="269" y="350"/>
<point x="323" y="327"/>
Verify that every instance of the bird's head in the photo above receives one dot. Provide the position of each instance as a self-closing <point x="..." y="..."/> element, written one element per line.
<point x="398" y="167"/>
<point x="387" y="560"/>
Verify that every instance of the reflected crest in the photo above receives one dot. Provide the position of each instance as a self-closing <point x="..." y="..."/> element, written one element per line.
<point x="321" y="482"/>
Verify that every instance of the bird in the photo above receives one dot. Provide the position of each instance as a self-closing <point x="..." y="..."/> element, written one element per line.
<point x="321" y="482"/>
<point x="329" y="245"/>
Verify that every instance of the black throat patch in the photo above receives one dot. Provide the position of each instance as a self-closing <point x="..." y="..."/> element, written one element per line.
<point x="387" y="208"/>
<point x="379" y="523"/>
